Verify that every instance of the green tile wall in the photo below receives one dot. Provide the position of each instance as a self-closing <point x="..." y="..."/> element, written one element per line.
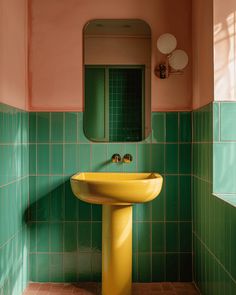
<point x="125" y="104"/>
<point x="214" y="220"/>
<point x="37" y="160"/>
<point x="224" y="172"/>
<point x="65" y="233"/>
<point x="14" y="187"/>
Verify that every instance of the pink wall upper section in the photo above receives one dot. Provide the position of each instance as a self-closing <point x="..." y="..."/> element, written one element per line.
<point x="202" y="38"/>
<point x="225" y="49"/>
<point x="13" y="52"/>
<point x="56" y="56"/>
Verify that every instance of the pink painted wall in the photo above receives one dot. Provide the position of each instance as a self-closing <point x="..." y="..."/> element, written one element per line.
<point x="13" y="53"/>
<point x="225" y="50"/>
<point x="56" y="56"/>
<point x="202" y="38"/>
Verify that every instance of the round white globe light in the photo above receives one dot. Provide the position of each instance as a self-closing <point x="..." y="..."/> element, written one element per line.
<point x="166" y="43"/>
<point x="178" y="59"/>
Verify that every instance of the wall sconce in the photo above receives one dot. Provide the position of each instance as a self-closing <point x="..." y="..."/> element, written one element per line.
<point x="175" y="59"/>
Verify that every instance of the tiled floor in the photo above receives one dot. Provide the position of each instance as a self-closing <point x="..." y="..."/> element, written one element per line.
<point x="95" y="289"/>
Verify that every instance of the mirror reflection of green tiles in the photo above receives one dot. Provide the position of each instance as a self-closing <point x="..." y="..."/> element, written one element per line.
<point x="114" y="108"/>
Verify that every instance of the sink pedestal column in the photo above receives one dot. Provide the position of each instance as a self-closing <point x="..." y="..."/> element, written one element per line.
<point x="116" y="250"/>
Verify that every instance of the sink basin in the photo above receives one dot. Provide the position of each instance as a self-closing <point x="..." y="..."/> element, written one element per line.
<point x="116" y="192"/>
<point x="116" y="188"/>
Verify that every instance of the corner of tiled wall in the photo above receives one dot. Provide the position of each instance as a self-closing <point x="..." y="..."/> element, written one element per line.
<point x="214" y="219"/>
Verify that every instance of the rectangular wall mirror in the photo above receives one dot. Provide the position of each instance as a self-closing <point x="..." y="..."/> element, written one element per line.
<point x="117" y="62"/>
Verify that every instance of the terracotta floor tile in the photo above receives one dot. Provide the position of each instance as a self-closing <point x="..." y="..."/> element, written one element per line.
<point x="167" y="286"/>
<point x="164" y="288"/>
<point x="29" y="292"/>
<point x="45" y="286"/>
<point x="33" y="286"/>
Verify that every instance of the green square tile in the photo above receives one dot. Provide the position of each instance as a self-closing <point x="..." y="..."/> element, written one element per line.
<point x="57" y="127"/>
<point x="233" y="243"/>
<point x="33" y="240"/>
<point x="132" y="150"/>
<point x="84" y="211"/>
<point x="135" y="237"/>
<point x="42" y="237"/>
<point x="233" y="287"/>
<point x="134" y="268"/>
<point x="96" y="212"/>
<point x="185" y="267"/>
<point x="99" y="157"/>
<point x="172" y="267"/>
<point x="144" y="268"/>
<point x="207" y="123"/>
<point x="6" y="287"/>
<point x="196" y="126"/>
<point x="143" y="212"/>
<point x="185" y="198"/>
<point x="96" y="267"/>
<point x="158" y="127"/>
<point x="56" y="268"/>
<point x="157" y="158"/>
<point x="185" y="130"/>
<point x="144" y="157"/>
<point x="71" y="203"/>
<point x="43" y="127"/>
<point x="224" y="153"/>
<point x="185" y="236"/>
<point x="172" y="198"/>
<point x="57" y="200"/>
<point x="144" y="236"/>
<point x="172" y="237"/>
<point x="84" y="157"/>
<point x="84" y="267"/>
<point x="32" y="199"/>
<point x="33" y="267"/>
<point x="171" y="158"/>
<point x="70" y="236"/>
<point x="111" y="150"/>
<point x="227" y="229"/>
<point x="56" y="237"/>
<point x="71" y="156"/>
<point x="70" y="267"/>
<point x="32" y="127"/>
<point x="56" y="158"/>
<point x="158" y="267"/>
<point x="185" y="151"/>
<point x="97" y="236"/>
<point x="43" y="159"/>
<point x="43" y="197"/>
<point x="85" y="236"/>
<point x="32" y="159"/>
<point x="158" y="237"/>
<point x="172" y="127"/>
<point x="158" y="206"/>
<point x="80" y="129"/>
<point x="70" y="127"/>
<point x="227" y="120"/>
<point x="42" y="267"/>
<point x="216" y="121"/>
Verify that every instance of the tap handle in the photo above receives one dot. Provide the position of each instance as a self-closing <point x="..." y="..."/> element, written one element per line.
<point x="127" y="158"/>
<point x="116" y="158"/>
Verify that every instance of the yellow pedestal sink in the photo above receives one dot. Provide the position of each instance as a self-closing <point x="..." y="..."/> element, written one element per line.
<point x="116" y="192"/>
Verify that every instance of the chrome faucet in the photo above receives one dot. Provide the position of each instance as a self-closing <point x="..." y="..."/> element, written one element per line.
<point x="116" y="158"/>
<point x="127" y="158"/>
